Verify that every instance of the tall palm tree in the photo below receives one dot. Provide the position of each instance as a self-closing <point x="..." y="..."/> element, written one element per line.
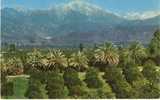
<point x="3" y="65"/>
<point x="107" y="54"/>
<point x="34" y="59"/>
<point x="55" y="59"/>
<point x="14" y="66"/>
<point x="78" y="60"/>
<point x="15" y="62"/>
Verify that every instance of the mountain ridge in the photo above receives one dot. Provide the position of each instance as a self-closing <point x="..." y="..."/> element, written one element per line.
<point x="77" y="25"/>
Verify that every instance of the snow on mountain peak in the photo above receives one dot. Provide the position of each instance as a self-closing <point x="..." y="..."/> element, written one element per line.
<point x="81" y="6"/>
<point x="141" y="16"/>
<point x="90" y="9"/>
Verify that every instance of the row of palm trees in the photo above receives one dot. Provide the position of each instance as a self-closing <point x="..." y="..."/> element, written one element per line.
<point x="56" y="59"/>
<point x="107" y="54"/>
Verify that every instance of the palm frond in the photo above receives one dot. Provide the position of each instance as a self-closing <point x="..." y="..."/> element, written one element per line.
<point x="107" y="54"/>
<point x="78" y="59"/>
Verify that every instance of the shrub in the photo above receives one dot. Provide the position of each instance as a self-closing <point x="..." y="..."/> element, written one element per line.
<point x="36" y="90"/>
<point x="150" y="91"/>
<point x="113" y="74"/>
<point x="78" y="91"/>
<point x="122" y="89"/>
<point x="71" y="78"/>
<point x="92" y="79"/>
<point x="55" y="86"/>
<point x="7" y="89"/>
<point x="99" y="93"/>
<point x="105" y="92"/>
<point x="41" y="76"/>
<point x="145" y="89"/>
<point x="92" y="94"/>
<point x="132" y="72"/>
<point x="154" y="47"/>
<point x="150" y="72"/>
<point x="76" y="87"/>
<point x="116" y="80"/>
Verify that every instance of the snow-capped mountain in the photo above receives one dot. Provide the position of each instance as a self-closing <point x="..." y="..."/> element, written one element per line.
<point x="82" y="7"/>
<point x="73" y="23"/>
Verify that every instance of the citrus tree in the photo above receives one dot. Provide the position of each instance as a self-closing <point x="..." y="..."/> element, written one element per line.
<point x="137" y="52"/>
<point x="154" y="46"/>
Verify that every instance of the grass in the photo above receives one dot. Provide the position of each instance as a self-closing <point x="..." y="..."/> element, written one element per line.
<point x="19" y="87"/>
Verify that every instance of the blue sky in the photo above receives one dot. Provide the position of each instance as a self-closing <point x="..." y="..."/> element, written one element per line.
<point x="122" y="6"/>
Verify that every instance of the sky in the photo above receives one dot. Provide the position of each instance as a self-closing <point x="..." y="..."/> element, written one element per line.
<point x="121" y="6"/>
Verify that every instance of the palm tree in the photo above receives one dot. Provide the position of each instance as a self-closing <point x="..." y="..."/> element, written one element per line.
<point x="55" y="59"/>
<point x="6" y="64"/>
<point x="14" y="66"/>
<point x="137" y="52"/>
<point x="78" y="60"/>
<point x="3" y="65"/>
<point x="107" y="54"/>
<point x="15" y="62"/>
<point x="34" y="59"/>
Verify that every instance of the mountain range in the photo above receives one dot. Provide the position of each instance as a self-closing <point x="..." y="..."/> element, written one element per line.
<point x="71" y="24"/>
